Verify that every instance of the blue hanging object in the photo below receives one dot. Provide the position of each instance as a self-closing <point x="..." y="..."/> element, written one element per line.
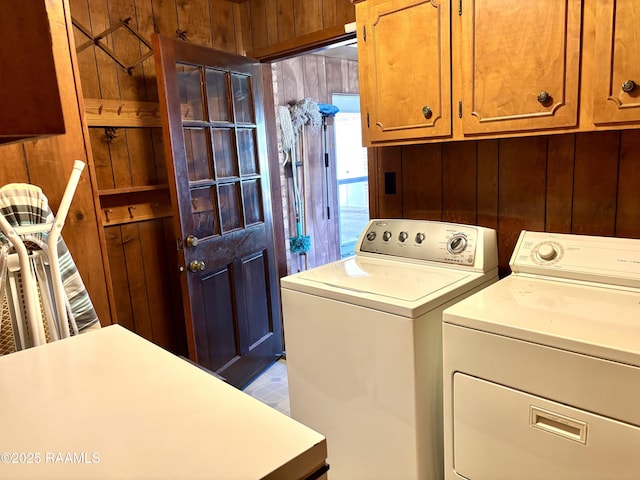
<point x="327" y="110"/>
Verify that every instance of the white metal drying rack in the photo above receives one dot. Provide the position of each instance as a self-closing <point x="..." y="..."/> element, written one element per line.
<point x="29" y="282"/>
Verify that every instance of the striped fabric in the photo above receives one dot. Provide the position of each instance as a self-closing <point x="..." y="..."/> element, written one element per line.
<point x="23" y="204"/>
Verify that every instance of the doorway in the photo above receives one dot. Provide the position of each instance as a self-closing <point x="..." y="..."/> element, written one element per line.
<point x="327" y="77"/>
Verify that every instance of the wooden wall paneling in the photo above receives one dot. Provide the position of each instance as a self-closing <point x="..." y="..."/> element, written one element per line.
<point x="101" y="159"/>
<point x="136" y="273"/>
<point x="308" y="16"/>
<point x="291" y="90"/>
<point x="258" y="24"/>
<point x="158" y="155"/>
<point x="422" y="182"/>
<point x="560" y="164"/>
<point x="389" y="182"/>
<point x="628" y="206"/>
<point x="106" y="67"/>
<point x="334" y="78"/>
<point x="595" y="183"/>
<point x="487" y="183"/>
<point x="128" y="49"/>
<point x="286" y="24"/>
<point x="522" y="172"/>
<point x="345" y="12"/>
<point x="459" y="184"/>
<point x="315" y="218"/>
<point x="157" y="284"/>
<point x="120" y="158"/>
<point x="146" y="73"/>
<point x="141" y="159"/>
<point x="165" y="17"/>
<point x="271" y="15"/>
<point x="194" y="21"/>
<point x="119" y="276"/>
<point x="242" y="22"/>
<point x="352" y="75"/>
<point x="87" y="57"/>
<point x="13" y="164"/>
<point x="273" y="155"/>
<point x="223" y="28"/>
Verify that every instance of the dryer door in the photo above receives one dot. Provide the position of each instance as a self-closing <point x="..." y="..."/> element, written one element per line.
<point x="502" y="433"/>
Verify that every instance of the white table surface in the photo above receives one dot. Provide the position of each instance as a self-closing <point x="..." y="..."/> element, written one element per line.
<point x="110" y="404"/>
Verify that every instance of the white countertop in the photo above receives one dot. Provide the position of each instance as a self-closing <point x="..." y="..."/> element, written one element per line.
<point x="110" y="404"/>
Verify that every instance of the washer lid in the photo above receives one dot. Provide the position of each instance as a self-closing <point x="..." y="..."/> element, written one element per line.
<point x="395" y="280"/>
<point x="594" y="320"/>
<point x="400" y="288"/>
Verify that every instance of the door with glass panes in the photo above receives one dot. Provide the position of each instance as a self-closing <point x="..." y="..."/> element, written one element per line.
<point x="215" y="142"/>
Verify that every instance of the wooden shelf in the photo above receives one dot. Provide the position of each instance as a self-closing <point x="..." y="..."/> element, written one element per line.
<point x="127" y="190"/>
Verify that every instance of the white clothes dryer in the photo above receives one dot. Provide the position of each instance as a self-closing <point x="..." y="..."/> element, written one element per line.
<point x="542" y="369"/>
<point x="363" y="341"/>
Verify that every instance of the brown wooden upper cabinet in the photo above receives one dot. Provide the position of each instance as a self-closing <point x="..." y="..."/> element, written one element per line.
<point x="438" y="69"/>
<point x="520" y="65"/>
<point x="29" y="92"/>
<point x="404" y="60"/>
<point x="617" y="90"/>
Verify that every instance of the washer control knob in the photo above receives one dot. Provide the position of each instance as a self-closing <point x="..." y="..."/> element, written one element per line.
<point x="457" y="243"/>
<point x="371" y="236"/>
<point x="403" y="236"/>
<point x="420" y="238"/>
<point x="547" y="252"/>
<point x="386" y="236"/>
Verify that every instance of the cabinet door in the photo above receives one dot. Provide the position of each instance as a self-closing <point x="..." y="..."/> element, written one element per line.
<point x="520" y="65"/>
<point x="405" y="75"/>
<point x="617" y="95"/>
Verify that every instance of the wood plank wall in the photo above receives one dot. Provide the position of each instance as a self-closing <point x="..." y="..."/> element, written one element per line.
<point x="584" y="183"/>
<point x="316" y="77"/>
<point x="277" y="21"/>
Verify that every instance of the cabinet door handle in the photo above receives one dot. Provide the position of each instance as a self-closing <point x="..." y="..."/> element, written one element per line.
<point x="628" y="86"/>
<point x="543" y="97"/>
<point x="426" y="111"/>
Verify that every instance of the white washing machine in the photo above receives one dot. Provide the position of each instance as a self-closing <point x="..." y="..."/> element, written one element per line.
<point x="542" y="369"/>
<point x="363" y="339"/>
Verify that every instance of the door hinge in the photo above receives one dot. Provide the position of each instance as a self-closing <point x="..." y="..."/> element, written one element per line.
<point x="179" y="244"/>
<point x="460" y="109"/>
<point x="364" y="33"/>
<point x="459" y="7"/>
<point x="368" y="124"/>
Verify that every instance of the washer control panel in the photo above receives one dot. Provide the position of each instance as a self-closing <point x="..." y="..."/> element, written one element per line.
<point x="425" y="240"/>
<point x="608" y="260"/>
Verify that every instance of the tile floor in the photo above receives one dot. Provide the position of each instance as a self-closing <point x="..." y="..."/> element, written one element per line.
<point x="272" y="387"/>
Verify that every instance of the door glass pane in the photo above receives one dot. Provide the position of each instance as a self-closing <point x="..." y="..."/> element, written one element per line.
<point x="252" y="201"/>
<point x="247" y="151"/>
<point x="217" y="95"/>
<point x="204" y="217"/>
<point x="190" y="92"/>
<point x="230" y="210"/>
<point x="242" y="98"/>
<point x="196" y="145"/>
<point x="224" y="153"/>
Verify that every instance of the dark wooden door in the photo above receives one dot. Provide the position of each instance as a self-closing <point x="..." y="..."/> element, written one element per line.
<point x="215" y="143"/>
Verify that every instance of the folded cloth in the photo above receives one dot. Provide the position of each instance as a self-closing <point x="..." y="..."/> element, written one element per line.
<point x="24" y="204"/>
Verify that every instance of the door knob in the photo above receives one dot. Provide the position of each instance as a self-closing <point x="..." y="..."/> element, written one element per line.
<point x="426" y="111"/>
<point x="192" y="241"/>
<point x="196" y="266"/>
<point x="628" y="86"/>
